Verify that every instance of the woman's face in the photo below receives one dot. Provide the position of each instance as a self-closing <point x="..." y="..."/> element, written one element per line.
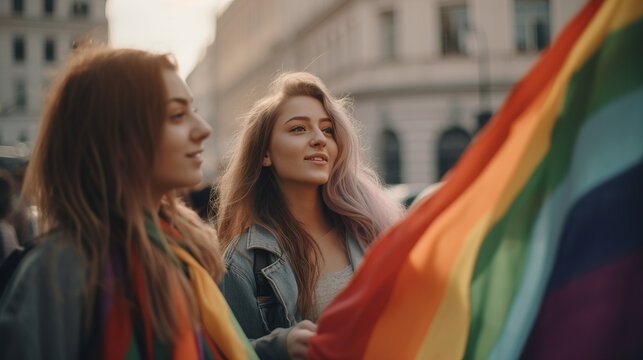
<point x="302" y="144"/>
<point x="178" y="158"/>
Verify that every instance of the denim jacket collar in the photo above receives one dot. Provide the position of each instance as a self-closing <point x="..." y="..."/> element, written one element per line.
<point x="279" y="273"/>
<point x="262" y="238"/>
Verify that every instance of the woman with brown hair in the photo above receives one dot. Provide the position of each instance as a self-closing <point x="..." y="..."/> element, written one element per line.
<point x="123" y="268"/>
<point x="297" y="209"/>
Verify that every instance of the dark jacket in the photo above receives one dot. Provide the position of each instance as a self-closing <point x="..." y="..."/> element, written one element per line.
<point x="42" y="310"/>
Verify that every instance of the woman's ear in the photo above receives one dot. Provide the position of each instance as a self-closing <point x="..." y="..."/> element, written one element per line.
<point x="266" y="160"/>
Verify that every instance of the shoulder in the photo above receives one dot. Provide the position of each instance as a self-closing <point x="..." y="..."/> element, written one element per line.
<point x="53" y="261"/>
<point x="255" y="237"/>
<point x="237" y="251"/>
<point x="54" y="249"/>
<point x="45" y="295"/>
<point x="239" y="256"/>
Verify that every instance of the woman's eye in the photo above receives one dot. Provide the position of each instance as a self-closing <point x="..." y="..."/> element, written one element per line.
<point x="329" y="130"/>
<point x="177" y="116"/>
<point x="298" y="128"/>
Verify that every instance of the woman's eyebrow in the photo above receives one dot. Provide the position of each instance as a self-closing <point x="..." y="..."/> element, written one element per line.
<point x="181" y="100"/>
<point x="305" y="118"/>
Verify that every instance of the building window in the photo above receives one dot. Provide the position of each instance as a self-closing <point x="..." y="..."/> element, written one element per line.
<point x="17" y="7"/>
<point x="48" y="6"/>
<point x="50" y="50"/>
<point x="387" y="32"/>
<point x="21" y="95"/>
<point x="19" y="49"/>
<point x="453" y="27"/>
<point x="452" y="144"/>
<point x="532" y="24"/>
<point x="390" y="157"/>
<point x="80" y="8"/>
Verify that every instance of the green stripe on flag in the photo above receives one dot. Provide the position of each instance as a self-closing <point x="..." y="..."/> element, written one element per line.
<point x="610" y="73"/>
<point x="596" y="160"/>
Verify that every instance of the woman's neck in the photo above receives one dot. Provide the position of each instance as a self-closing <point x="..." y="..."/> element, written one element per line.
<point x="153" y="204"/>
<point x="306" y="206"/>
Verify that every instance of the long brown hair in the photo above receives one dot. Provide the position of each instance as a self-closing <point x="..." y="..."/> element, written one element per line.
<point x="89" y="174"/>
<point x="248" y="192"/>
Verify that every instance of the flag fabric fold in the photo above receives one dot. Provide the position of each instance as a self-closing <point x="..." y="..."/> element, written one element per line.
<point x="533" y="248"/>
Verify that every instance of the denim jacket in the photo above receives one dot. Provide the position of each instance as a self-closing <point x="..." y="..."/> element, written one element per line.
<point x="264" y="321"/>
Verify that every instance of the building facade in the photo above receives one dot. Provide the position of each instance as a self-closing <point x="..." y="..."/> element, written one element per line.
<point x="35" y="38"/>
<point x="424" y="74"/>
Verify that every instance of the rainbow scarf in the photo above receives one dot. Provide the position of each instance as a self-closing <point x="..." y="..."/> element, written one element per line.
<point x="533" y="248"/>
<point x="127" y="332"/>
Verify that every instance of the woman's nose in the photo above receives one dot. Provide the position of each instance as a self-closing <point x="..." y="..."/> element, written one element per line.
<point x="201" y="129"/>
<point x="319" y="139"/>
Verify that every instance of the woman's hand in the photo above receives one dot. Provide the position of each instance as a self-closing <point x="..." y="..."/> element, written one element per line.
<point x="297" y="339"/>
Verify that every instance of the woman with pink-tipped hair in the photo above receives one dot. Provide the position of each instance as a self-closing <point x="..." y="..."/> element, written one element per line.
<point x="297" y="209"/>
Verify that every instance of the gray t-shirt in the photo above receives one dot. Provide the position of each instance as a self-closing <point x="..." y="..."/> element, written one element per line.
<point x="329" y="285"/>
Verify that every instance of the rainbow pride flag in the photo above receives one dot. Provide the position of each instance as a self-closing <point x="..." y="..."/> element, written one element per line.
<point x="533" y="248"/>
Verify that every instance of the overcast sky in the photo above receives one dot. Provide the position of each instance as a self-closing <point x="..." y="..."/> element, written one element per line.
<point x="183" y="27"/>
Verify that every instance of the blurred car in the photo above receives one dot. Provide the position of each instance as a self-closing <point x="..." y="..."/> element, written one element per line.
<point x="13" y="158"/>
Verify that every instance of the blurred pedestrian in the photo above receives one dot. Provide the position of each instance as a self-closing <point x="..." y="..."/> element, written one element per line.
<point x="123" y="269"/>
<point x="200" y="200"/>
<point x="297" y="209"/>
<point x="8" y="238"/>
<point x="23" y="217"/>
